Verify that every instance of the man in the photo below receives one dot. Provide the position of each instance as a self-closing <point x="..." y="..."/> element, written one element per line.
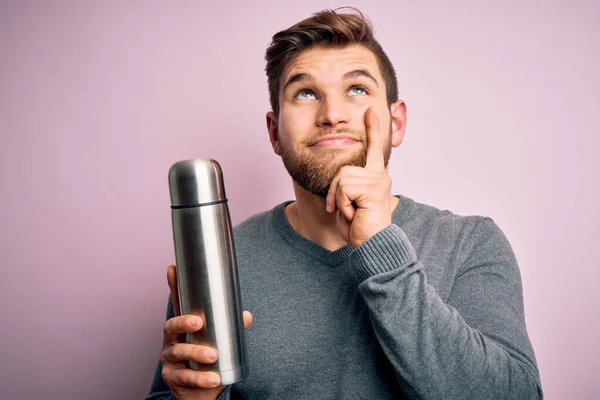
<point x="358" y="294"/>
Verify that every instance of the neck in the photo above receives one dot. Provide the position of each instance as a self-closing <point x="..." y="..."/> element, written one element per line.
<point x="308" y="218"/>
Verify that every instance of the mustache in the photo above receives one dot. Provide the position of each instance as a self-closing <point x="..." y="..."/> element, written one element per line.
<point x="359" y="136"/>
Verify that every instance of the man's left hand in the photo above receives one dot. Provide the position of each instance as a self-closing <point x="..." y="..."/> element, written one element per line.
<point x="362" y="196"/>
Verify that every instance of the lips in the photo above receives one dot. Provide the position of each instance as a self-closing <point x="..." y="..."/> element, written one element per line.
<point x="335" y="140"/>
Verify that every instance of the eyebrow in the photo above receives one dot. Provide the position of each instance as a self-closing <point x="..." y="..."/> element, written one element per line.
<point x="304" y="77"/>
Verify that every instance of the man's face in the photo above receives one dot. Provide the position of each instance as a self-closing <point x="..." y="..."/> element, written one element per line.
<point x="321" y="126"/>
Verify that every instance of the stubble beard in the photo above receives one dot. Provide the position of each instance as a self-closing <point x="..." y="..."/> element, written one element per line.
<point x="315" y="172"/>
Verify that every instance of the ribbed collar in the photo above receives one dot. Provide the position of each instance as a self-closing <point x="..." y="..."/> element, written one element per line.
<point x="321" y="254"/>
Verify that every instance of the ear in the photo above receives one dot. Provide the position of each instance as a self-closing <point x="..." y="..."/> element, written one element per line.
<point x="273" y="132"/>
<point x="398" y="115"/>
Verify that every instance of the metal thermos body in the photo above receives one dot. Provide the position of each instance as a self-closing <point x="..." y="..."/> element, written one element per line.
<point x="207" y="277"/>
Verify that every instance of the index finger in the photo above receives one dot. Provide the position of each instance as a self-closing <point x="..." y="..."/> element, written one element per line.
<point x="183" y="324"/>
<point x="172" y="281"/>
<point x="375" y="159"/>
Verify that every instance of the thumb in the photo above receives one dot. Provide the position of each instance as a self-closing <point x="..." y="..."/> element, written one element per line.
<point x="247" y="319"/>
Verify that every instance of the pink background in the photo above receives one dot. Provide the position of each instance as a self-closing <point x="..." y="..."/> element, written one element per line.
<point x="98" y="99"/>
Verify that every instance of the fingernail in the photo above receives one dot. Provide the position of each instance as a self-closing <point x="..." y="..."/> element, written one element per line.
<point x="195" y="321"/>
<point x="213" y="380"/>
<point x="210" y="354"/>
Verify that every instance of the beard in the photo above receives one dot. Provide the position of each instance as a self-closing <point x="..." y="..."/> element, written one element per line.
<point x="314" y="172"/>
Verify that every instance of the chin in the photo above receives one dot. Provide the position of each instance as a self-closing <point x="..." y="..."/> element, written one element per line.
<point x="356" y="159"/>
<point x="314" y="171"/>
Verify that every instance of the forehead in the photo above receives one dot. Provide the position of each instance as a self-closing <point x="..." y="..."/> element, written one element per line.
<point x="330" y="64"/>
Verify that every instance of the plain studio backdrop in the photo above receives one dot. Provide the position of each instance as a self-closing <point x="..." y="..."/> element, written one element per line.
<point x="98" y="99"/>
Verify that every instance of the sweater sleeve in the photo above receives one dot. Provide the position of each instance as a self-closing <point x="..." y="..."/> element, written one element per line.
<point x="475" y="345"/>
<point x="159" y="390"/>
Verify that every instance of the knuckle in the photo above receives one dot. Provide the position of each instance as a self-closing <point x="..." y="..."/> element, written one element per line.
<point x="178" y="351"/>
<point x="164" y="356"/>
<point x="346" y="169"/>
<point x="189" y="378"/>
<point x="166" y="374"/>
<point x="387" y="179"/>
<point x="167" y="327"/>
<point x="388" y="186"/>
<point x="185" y="378"/>
<point x="172" y="326"/>
<point x="179" y="377"/>
<point x="331" y="194"/>
<point x="384" y="181"/>
<point x="195" y="354"/>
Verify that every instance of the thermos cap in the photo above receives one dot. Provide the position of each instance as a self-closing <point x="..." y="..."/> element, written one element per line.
<point x="196" y="182"/>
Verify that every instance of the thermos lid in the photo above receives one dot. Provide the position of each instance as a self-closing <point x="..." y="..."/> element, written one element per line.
<point x="196" y="182"/>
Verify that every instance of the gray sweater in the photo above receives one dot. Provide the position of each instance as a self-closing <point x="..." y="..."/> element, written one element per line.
<point x="429" y="308"/>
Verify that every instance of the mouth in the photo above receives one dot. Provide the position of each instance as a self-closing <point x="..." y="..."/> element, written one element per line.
<point x="335" y="141"/>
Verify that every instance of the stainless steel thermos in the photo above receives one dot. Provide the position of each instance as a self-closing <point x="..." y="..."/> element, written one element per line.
<point x="207" y="277"/>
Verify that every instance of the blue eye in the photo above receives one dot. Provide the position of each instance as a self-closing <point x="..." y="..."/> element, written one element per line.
<point x="358" y="91"/>
<point x="305" y="94"/>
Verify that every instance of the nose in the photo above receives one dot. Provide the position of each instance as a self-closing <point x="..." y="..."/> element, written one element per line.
<point x="332" y="112"/>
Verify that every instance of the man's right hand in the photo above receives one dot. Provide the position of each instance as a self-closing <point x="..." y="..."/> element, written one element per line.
<point x="185" y="383"/>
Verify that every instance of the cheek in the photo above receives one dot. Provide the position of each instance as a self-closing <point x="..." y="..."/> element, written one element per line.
<point x="296" y="125"/>
<point x="360" y="104"/>
<point x="299" y="116"/>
